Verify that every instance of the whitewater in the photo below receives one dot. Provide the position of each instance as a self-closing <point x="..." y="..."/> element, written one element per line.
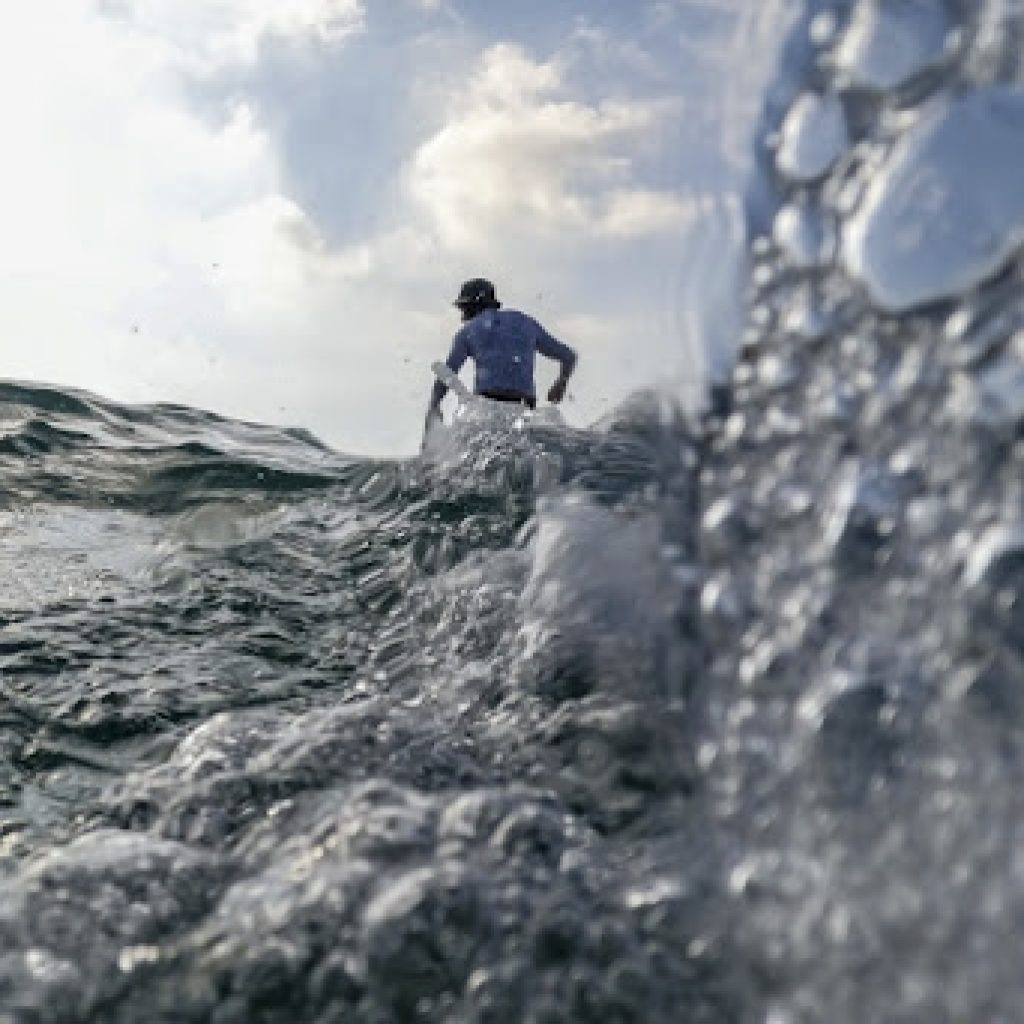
<point x="679" y="718"/>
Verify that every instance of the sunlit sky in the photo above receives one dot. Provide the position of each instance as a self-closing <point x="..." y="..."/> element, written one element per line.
<point x="265" y="207"/>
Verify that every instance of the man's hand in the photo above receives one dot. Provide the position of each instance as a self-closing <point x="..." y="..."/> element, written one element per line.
<point x="557" y="391"/>
<point x="433" y="417"/>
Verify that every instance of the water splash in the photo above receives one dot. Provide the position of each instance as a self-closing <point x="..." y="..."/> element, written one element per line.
<point x="863" y="739"/>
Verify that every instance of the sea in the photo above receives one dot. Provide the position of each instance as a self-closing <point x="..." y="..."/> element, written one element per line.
<point x="705" y="716"/>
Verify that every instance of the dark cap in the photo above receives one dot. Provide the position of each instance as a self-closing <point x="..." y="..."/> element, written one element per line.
<point x="476" y="293"/>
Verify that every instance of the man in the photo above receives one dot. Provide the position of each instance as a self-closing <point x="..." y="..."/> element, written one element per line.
<point x="502" y="344"/>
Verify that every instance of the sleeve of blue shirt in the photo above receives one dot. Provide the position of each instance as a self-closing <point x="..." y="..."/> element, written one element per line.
<point x="554" y="349"/>
<point x="456" y="357"/>
<point x="459" y="353"/>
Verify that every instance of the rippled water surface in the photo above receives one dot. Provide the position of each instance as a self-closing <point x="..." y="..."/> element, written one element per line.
<point x="656" y="721"/>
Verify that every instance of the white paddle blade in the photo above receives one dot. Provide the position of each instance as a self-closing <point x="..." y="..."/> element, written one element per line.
<point x="449" y="377"/>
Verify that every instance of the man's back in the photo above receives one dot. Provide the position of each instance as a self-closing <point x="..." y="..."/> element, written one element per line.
<point x="503" y="343"/>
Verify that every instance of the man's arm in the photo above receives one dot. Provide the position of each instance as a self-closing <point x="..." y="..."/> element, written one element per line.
<point x="456" y="357"/>
<point x="554" y="349"/>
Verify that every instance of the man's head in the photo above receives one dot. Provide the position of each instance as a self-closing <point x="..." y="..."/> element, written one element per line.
<point x="476" y="295"/>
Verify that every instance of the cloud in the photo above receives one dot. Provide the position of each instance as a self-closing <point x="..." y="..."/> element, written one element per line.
<point x="519" y="154"/>
<point x="632" y="214"/>
<point x="206" y="35"/>
<point x="106" y="170"/>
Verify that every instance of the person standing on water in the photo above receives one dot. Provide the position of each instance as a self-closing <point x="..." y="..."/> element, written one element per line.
<point x="503" y="344"/>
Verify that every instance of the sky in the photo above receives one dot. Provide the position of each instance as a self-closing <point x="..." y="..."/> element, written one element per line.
<point x="264" y="208"/>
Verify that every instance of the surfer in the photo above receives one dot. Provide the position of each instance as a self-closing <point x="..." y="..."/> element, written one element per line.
<point x="502" y="344"/>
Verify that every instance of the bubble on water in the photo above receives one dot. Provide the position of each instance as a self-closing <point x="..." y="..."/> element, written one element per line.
<point x="946" y="210"/>
<point x="832" y="401"/>
<point x="909" y="461"/>
<point x="735" y="429"/>
<point x="719" y="600"/>
<point x="761" y="315"/>
<point x="783" y="423"/>
<point x="803" y="236"/>
<point x="822" y="29"/>
<point x="806" y="317"/>
<point x="777" y="371"/>
<point x="974" y="334"/>
<point x="863" y="514"/>
<point x="794" y="500"/>
<point x="924" y="516"/>
<point x="50" y="970"/>
<point x="132" y="957"/>
<point x="763" y="275"/>
<point x="888" y="42"/>
<point x="814" y="135"/>
<point x="993" y="396"/>
<point x="724" y="525"/>
<point x="996" y="547"/>
<point x="994" y="578"/>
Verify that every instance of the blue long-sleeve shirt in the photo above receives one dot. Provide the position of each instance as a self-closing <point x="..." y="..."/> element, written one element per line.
<point x="503" y="344"/>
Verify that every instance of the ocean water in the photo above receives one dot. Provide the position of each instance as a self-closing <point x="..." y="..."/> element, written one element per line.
<point x="674" y="719"/>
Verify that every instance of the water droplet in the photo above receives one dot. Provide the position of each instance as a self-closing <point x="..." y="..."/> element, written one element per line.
<point x="719" y="600"/>
<point x="793" y="500"/>
<point x="993" y="396"/>
<point x="862" y="515"/>
<point x="814" y="136"/>
<point x="947" y="209"/>
<point x="784" y="423"/>
<point x="777" y="371"/>
<point x="994" y="572"/>
<point x="888" y="42"/>
<point x="805" y="318"/>
<point x="761" y="315"/>
<point x="924" y="516"/>
<point x="802" y="235"/>
<point x="822" y="29"/>
<point x="973" y="334"/>
<point x="741" y="876"/>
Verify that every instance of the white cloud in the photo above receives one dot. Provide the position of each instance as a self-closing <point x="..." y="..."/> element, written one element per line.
<point x="204" y="35"/>
<point x="631" y="214"/>
<point x="519" y="155"/>
<point x="105" y="171"/>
